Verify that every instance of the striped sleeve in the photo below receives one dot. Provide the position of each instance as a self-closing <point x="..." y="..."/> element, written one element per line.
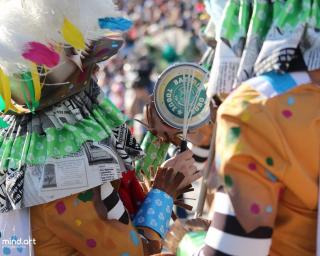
<point x="226" y="236"/>
<point x="200" y="155"/>
<point x="251" y="161"/>
<point x="113" y="203"/>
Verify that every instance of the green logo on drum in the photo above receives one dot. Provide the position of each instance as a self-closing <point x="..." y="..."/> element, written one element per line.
<point x="175" y="100"/>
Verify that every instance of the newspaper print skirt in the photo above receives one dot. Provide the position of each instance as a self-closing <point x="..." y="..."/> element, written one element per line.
<point x="65" y="149"/>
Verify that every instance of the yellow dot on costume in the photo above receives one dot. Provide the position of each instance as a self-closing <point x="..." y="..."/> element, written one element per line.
<point x="245" y="117"/>
<point x="78" y="222"/>
<point x="233" y="103"/>
<point x="238" y="148"/>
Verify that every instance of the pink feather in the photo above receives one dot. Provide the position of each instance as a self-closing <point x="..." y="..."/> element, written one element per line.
<point x="41" y="54"/>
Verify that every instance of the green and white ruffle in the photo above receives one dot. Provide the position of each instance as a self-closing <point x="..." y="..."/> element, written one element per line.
<point x="34" y="148"/>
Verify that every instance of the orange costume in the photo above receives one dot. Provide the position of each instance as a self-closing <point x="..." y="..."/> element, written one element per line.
<point x="62" y="143"/>
<point x="268" y="154"/>
<point x="267" y="145"/>
<point x="61" y="229"/>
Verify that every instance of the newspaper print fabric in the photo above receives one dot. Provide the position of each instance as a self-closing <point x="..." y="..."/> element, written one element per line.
<point x="259" y="147"/>
<point x="59" y="130"/>
<point x="282" y="36"/>
<point x="280" y="51"/>
<point x="259" y="26"/>
<point x="231" y="40"/>
<point x="75" y="145"/>
<point x="292" y="43"/>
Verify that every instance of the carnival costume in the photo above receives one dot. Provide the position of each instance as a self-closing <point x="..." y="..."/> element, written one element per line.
<point x="60" y="138"/>
<point x="267" y="146"/>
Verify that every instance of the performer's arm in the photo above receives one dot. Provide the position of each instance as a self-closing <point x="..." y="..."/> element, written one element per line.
<point x="251" y="161"/>
<point x="226" y="236"/>
<point x="153" y="218"/>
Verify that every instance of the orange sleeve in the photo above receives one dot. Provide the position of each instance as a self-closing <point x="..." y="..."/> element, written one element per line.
<point x="250" y="158"/>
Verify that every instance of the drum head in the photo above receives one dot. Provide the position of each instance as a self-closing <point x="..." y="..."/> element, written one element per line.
<point x="180" y="89"/>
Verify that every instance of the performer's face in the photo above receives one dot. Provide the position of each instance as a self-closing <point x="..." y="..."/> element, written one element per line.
<point x="159" y="128"/>
<point x="200" y="136"/>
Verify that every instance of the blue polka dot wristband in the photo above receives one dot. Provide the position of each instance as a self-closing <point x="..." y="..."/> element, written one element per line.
<point x="155" y="212"/>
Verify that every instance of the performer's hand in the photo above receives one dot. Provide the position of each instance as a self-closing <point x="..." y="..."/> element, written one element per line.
<point x="184" y="163"/>
<point x="204" y="250"/>
<point x="181" y="227"/>
<point x="197" y="224"/>
<point x="168" y="181"/>
<point x="151" y="247"/>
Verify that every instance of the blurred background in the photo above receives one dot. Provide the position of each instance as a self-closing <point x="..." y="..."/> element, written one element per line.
<point x="164" y="32"/>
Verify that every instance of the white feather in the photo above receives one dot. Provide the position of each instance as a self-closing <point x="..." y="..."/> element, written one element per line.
<point x="24" y="21"/>
<point x="14" y="35"/>
<point x="83" y="14"/>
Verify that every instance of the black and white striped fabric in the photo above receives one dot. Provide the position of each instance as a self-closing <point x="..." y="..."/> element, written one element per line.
<point x="113" y="203"/>
<point x="127" y="147"/>
<point x="200" y="155"/>
<point x="227" y="237"/>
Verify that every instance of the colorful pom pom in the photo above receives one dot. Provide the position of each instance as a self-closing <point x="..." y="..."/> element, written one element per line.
<point x="41" y="54"/>
<point x="115" y="24"/>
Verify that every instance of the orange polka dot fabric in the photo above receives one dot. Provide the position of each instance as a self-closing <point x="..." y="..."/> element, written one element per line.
<point x="268" y="157"/>
<point x="72" y="227"/>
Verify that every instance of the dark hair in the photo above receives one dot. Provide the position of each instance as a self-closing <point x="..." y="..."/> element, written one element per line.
<point x="141" y="83"/>
<point x="144" y="67"/>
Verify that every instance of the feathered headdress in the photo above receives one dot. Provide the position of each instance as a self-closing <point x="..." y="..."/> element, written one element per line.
<point x="34" y="32"/>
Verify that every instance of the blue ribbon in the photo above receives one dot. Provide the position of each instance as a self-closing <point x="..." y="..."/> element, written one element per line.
<point x="155" y="212"/>
<point x="115" y="24"/>
<point x="280" y="83"/>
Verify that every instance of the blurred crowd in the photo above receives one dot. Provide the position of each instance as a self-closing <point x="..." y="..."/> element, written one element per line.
<point x="164" y="32"/>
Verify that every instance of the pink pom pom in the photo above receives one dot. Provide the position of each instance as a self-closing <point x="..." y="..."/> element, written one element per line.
<point x="41" y="54"/>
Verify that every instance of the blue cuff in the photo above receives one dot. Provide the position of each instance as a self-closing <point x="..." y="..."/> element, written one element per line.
<point x="155" y="212"/>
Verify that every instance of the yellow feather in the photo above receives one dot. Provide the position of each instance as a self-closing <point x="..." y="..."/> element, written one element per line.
<point x="5" y="90"/>
<point x="73" y="35"/>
